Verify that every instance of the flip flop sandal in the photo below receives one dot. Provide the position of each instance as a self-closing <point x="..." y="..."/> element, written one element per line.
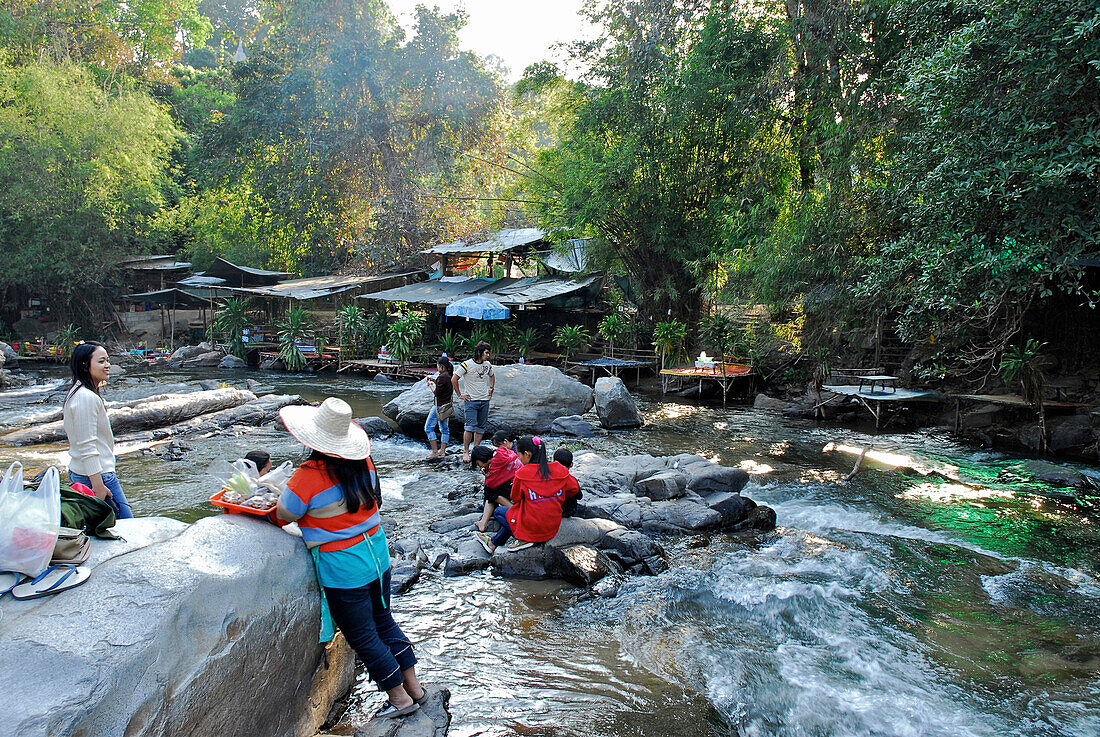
<point x="9" y="580"/>
<point x="53" y="580"/>
<point x="423" y="698"/>
<point x="485" y="540"/>
<point x="389" y="711"/>
<point x="516" y="544"/>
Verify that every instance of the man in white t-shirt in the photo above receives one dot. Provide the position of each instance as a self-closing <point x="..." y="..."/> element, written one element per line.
<point x="478" y="382"/>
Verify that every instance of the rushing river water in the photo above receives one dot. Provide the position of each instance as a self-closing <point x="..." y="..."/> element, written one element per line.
<point x="888" y="605"/>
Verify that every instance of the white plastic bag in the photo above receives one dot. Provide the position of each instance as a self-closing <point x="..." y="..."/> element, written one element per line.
<point x="29" y="521"/>
<point x="275" y="479"/>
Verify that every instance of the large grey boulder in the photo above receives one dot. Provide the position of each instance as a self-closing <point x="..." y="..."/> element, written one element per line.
<point x="527" y="398"/>
<point x="205" y="360"/>
<point x="11" y="358"/>
<point x="186" y="353"/>
<point x="661" y="485"/>
<point x="614" y="405"/>
<point x="181" y="630"/>
<point x="376" y="427"/>
<point x="143" y="414"/>
<point x="232" y="362"/>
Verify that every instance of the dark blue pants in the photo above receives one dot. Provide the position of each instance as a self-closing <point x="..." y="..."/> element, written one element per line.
<point x="505" y="532"/>
<point x="117" y="501"/>
<point x="363" y="615"/>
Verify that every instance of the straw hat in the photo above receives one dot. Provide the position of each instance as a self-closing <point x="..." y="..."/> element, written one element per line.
<point x="328" y="429"/>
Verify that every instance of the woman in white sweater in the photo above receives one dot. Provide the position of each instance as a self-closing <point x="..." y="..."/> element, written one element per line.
<point x="91" y="442"/>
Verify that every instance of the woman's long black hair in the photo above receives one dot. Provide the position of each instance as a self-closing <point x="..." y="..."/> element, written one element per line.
<point x="81" y="365"/>
<point x="354" y="478"/>
<point x="537" y="449"/>
<point x="448" y="367"/>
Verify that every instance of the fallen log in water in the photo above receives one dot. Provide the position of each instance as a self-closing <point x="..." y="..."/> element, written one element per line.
<point x="253" y="414"/>
<point x="152" y="412"/>
<point x="894" y="460"/>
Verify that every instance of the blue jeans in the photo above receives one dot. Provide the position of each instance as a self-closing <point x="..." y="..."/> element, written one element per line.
<point x="477" y="415"/>
<point x="444" y="426"/>
<point x="505" y="531"/>
<point x="117" y="500"/>
<point x="363" y="615"/>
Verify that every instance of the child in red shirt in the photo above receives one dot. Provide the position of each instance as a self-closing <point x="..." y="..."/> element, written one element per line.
<point x="538" y="491"/>
<point x="499" y="469"/>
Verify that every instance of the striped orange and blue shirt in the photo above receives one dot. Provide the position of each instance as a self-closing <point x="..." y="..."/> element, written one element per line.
<point x="352" y="545"/>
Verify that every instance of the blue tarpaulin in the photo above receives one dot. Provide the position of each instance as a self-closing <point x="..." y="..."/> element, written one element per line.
<point x="478" y="308"/>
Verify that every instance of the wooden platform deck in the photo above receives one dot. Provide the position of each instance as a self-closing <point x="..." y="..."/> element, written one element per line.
<point x="873" y="400"/>
<point x="373" y="367"/>
<point x="724" y="376"/>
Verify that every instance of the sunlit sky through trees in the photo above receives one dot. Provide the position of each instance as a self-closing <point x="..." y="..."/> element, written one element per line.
<point x="519" y="32"/>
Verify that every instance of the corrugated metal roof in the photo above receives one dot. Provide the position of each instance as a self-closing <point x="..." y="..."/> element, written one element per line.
<point x="232" y="272"/>
<point x="154" y="263"/>
<point x="200" y="281"/>
<point x="501" y="242"/>
<point x="528" y="290"/>
<point x="173" y="297"/>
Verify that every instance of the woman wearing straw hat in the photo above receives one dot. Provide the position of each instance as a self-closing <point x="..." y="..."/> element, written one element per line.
<point x="335" y="499"/>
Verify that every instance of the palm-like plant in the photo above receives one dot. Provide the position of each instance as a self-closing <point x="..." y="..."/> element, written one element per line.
<point x="613" y="328"/>
<point x="525" y="341"/>
<point x="296" y="326"/>
<point x="65" y="338"/>
<point x="351" y="322"/>
<point x="477" y="336"/>
<point x="449" y="343"/>
<point x="376" y="330"/>
<point x="668" y="339"/>
<point x="500" y="334"/>
<point x="231" y="322"/>
<point x="569" y="338"/>
<point x="405" y="334"/>
<point x="716" y="332"/>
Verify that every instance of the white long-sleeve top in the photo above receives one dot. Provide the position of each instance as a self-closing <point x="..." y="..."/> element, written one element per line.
<point x="91" y="441"/>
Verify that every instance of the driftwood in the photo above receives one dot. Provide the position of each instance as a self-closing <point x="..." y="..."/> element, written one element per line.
<point x="147" y="414"/>
<point x="253" y="414"/>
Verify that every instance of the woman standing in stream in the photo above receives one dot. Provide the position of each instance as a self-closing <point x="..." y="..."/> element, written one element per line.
<point x="91" y="441"/>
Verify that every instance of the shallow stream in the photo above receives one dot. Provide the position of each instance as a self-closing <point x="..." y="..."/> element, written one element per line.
<point x="888" y="605"/>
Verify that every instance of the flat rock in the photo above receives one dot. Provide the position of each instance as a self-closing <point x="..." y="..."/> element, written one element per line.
<point x="528" y="398"/>
<point x="469" y="557"/>
<point x="712" y="477"/>
<point x="232" y="362"/>
<point x="661" y="485"/>
<point x="187" y="352"/>
<point x="614" y="405"/>
<point x="584" y="565"/>
<point x="208" y="359"/>
<point x="572" y="426"/>
<point x="1054" y="474"/>
<point x="185" y="611"/>
<point x="432" y="719"/>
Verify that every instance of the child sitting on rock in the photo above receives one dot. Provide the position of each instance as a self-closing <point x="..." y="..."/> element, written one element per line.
<point x="564" y="456"/>
<point x="538" y="491"/>
<point x="499" y="468"/>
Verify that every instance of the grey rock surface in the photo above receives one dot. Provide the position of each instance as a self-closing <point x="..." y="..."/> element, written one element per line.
<point x="186" y="353"/>
<point x="232" y="362"/>
<point x="173" y="635"/>
<point x="771" y="404"/>
<point x="272" y="364"/>
<point x="403" y="576"/>
<point x="528" y="398"/>
<point x="584" y="565"/>
<point x="572" y="426"/>
<point x="151" y="412"/>
<point x="1072" y="433"/>
<point x="432" y="719"/>
<point x="614" y="405"/>
<point x="258" y="412"/>
<point x="1052" y="473"/>
<point x="208" y="359"/>
<point x="376" y="427"/>
<point x="11" y="358"/>
<point x="660" y="485"/>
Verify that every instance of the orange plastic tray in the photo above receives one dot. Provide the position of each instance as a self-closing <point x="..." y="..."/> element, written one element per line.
<point x="230" y="508"/>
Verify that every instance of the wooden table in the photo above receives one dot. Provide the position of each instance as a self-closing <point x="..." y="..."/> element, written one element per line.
<point x="882" y="379"/>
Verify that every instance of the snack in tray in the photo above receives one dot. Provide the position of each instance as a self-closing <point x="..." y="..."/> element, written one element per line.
<point x="261" y="501"/>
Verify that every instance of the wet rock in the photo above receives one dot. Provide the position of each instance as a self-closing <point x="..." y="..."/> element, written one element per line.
<point x="573" y="426"/>
<point x="256" y="387"/>
<point x="1053" y="474"/>
<point x="403" y="575"/>
<point x="260" y="411"/>
<point x="175" y="450"/>
<point x="614" y="405"/>
<point x="654" y="566"/>
<point x="528" y="398"/>
<point x="432" y="719"/>
<point x="712" y="477"/>
<point x="537" y="561"/>
<point x="382" y="379"/>
<point x="608" y="587"/>
<point x="144" y="414"/>
<point x="732" y="507"/>
<point x="210" y="384"/>
<point x="770" y="404"/>
<point x="661" y="485"/>
<point x="376" y="427"/>
<point x="632" y="545"/>
<point x="209" y="595"/>
<point x="760" y="519"/>
<point x="232" y="362"/>
<point x="469" y="557"/>
<point x="679" y="514"/>
<point x="1073" y="433"/>
<point x="584" y="565"/>
<point x="272" y="364"/>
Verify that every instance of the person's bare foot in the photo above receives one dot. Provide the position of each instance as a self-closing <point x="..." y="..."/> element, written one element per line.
<point x="480" y="526"/>
<point x="465" y="457"/>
